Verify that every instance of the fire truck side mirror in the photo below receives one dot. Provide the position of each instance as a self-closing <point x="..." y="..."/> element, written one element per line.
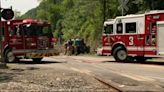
<point x="7" y="14"/>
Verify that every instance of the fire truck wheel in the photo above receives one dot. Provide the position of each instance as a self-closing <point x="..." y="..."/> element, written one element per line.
<point x="9" y="56"/>
<point x="120" y="54"/>
<point x="37" y="59"/>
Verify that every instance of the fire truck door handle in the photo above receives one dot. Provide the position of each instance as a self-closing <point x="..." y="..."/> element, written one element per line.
<point x="112" y="39"/>
<point x="140" y="38"/>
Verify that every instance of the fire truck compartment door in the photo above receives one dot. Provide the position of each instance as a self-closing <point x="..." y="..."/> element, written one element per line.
<point x="160" y="29"/>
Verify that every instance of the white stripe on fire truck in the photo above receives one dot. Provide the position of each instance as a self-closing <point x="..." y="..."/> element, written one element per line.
<point x="134" y="48"/>
<point x="32" y="50"/>
<point x="107" y="48"/>
<point x="150" y="48"/>
<point x="21" y="51"/>
<point x="142" y="48"/>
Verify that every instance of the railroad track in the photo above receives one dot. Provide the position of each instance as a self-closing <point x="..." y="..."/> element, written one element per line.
<point x="111" y="88"/>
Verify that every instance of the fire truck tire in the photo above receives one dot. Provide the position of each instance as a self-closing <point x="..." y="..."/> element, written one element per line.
<point x="37" y="59"/>
<point x="9" y="56"/>
<point x="120" y="54"/>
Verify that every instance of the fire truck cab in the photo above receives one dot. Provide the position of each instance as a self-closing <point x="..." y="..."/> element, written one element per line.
<point x="137" y="37"/>
<point x="27" y="38"/>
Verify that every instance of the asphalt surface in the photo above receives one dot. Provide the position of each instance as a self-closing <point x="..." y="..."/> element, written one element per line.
<point x="49" y="75"/>
<point x="132" y="76"/>
<point x="83" y="73"/>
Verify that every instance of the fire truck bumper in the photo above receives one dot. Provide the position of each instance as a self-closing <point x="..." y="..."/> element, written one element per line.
<point x="40" y="54"/>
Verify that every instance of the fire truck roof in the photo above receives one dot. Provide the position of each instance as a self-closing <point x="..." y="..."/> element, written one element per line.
<point x="130" y="16"/>
<point x="160" y="22"/>
<point x="30" y="21"/>
<point x="110" y="21"/>
<point x="154" y="12"/>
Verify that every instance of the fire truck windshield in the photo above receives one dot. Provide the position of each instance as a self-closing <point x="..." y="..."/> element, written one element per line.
<point x="108" y="29"/>
<point x="37" y="30"/>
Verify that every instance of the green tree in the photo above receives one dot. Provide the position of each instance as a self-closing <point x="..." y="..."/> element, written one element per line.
<point x="84" y="18"/>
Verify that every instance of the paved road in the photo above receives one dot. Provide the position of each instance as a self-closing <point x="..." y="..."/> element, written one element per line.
<point x="52" y="75"/>
<point x="125" y="76"/>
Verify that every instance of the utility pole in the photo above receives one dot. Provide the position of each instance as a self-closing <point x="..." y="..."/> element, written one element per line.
<point x="2" y="63"/>
<point x="6" y="14"/>
<point x="152" y="5"/>
<point x="104" y="10"/>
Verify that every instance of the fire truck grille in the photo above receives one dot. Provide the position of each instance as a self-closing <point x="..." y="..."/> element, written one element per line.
<point x="42" y="43"/>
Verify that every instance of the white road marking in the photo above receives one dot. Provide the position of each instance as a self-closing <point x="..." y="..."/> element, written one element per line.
<point x="156" y="77"/>
<point x="153" y="66"/>
<point x="81" y="71"/>
<point x="137" y="77"/>
<point x="129" y="75"/>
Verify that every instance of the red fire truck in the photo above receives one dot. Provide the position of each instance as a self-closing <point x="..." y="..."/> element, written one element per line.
<point x="27" y="38"/>
<point x="136" y="37"/>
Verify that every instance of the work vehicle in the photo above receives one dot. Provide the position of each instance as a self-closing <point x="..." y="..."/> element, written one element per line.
<point x="76" y="46"/>
<point x="27" y="38"/>
<point x="134" y="37"/>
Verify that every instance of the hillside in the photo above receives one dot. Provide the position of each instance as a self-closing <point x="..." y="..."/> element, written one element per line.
<point x="84" y="18"/>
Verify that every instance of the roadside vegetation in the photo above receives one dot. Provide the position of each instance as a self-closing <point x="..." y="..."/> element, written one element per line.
<point x="84" y="18"/>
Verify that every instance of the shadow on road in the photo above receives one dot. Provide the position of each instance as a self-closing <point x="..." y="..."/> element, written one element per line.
<point x="146" y="62"/>
<point x="35" y="62"/>
<point x="153" y="62"/>
<point x="6" y="77"/>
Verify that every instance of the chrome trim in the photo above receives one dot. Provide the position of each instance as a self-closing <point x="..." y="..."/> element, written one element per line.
<point x="32" y="50"/>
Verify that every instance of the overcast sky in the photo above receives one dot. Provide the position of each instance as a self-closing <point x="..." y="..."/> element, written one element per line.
<point x="20" y="5"/>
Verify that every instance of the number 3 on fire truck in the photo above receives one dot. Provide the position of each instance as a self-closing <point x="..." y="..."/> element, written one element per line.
<point x="131" y="40"/>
